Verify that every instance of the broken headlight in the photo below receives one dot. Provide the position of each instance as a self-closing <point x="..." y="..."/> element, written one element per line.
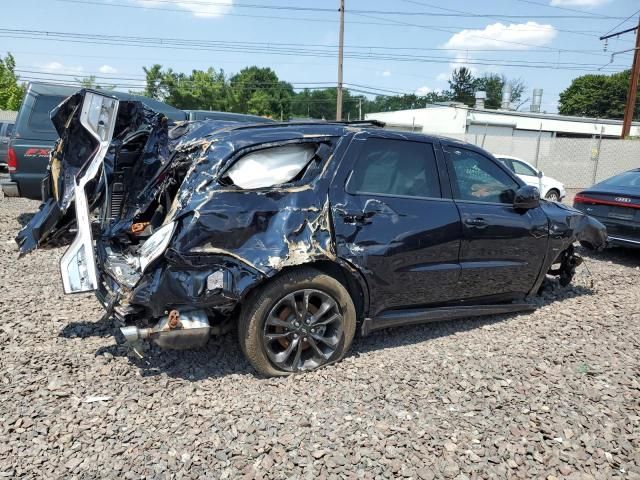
<point x="155" y="245"/>
<point x="271" y="166"/>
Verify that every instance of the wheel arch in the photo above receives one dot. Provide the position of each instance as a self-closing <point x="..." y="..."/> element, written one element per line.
<point x="552" y="189"/>
<point x="353" y="281"/>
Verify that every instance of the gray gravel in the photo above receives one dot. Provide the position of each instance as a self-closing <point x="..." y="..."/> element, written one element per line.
<point x="552" y="394"/>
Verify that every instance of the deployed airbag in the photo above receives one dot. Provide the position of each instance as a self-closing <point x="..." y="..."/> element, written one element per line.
<point x="271" y="166"/>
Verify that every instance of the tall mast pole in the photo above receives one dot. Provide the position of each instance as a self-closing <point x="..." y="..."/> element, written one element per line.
<point x="340" y="56"/>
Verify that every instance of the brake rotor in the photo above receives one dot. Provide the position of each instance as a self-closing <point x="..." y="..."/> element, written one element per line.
<point x="284" y="315"/>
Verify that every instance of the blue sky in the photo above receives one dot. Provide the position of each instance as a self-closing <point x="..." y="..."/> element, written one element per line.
<point x="523" y="32"/>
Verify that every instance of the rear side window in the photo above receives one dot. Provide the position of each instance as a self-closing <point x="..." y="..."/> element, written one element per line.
<point x="396" y="167"/>
<point x="477" y="178"/>
<point x="39" y="120"/>
<point x="9" y="130"/>
<point x="523" y="169"/>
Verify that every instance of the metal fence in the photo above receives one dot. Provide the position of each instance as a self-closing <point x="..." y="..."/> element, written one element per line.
<point x="576" y="162"/>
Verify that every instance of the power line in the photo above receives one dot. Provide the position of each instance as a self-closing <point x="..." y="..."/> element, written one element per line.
<point x="622" y="22"/>
<point x="319" y="9"/>
<point x="67" y="83"/>
<point x="497" y="17"/>
<point x="477" y="36"/>
<point x="247" y="47"/>
<point x="559" y="7"/>
<point x="142" y="80"/>
<point x="169" y="40"/>
<point x="352" y="22"/>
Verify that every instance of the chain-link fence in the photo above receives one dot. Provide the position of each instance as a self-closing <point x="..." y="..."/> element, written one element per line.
<point x="576" y="162"/>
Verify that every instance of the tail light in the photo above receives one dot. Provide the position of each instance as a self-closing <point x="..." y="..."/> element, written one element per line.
<point x="581" y="199"/>
<point x="12" y="161"/>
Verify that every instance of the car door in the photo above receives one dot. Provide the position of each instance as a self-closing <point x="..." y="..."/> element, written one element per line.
<point x="395" y="221"/>
<point x="502" y="248"/>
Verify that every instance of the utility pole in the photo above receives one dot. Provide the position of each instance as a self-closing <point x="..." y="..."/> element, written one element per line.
<point x="360" y="109"/>
<point x="633" y="81"/>
<point x="340" y="55"/>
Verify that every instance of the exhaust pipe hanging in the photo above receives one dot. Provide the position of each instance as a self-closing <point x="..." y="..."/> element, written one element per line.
<point x="177" y="330"/>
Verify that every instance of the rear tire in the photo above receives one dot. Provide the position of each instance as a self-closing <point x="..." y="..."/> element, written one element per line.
<point x="300" y="321"/>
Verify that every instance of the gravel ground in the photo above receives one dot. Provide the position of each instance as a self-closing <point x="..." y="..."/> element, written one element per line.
<point x="552" y="394"/>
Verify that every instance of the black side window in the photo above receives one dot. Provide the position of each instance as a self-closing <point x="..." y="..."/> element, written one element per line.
<point x="477" y="178"/>
<point x="395" y="167"/>
<point x="9" y="130"/>
<point x="40" y="119"/>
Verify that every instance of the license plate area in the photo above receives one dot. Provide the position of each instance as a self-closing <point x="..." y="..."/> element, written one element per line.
<point x="620" y="213"/>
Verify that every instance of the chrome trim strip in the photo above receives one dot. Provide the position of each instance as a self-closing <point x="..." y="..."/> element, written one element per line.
<point x="626" y="240"/>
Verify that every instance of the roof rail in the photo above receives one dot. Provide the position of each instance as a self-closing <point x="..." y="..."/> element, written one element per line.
<point x="363" y="123"/>
<point x="373" y="123"/>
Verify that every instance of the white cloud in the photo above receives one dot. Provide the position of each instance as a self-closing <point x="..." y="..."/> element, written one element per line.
<point x="579" y="3"/>
<point x="443" y="77"/>
<point x="521" y="36"/>
<point x="386" y="73"/>
<point x="107" y="69"/>
<point x="57" y="67"/>
<point x="199" y="8"/>
<point x="422" y="91"/>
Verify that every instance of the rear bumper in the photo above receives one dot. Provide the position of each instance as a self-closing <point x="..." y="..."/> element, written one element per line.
<point x="621" y="232"/>
<point x="10" y="189"/>
<point x="27" y="185"/>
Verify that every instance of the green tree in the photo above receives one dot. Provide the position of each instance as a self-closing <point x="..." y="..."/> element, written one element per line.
<point x="406" y="102"/>
<point x="11" y="93"/>
<point x="90" y="82"/>
<point x="199" y="90"/>
<point x="492" y="84"/>
<point x="277" y="94"/>
<point x="154" y="82"/>
<point x="463" y="86"/>
<point x="602" y="96"/>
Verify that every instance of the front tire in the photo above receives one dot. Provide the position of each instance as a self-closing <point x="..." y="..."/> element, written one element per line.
<point x="300" y="321"/>
<point x="553" y="195"/>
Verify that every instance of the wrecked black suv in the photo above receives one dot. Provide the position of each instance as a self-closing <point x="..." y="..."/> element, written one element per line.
<point x="300" y="233"/>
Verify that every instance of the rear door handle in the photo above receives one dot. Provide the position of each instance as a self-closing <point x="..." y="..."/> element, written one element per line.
<point x="476" y="222"/>
<point x="352" y="216"/>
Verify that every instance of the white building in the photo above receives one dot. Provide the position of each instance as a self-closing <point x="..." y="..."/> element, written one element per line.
<point x="457" y="119"/>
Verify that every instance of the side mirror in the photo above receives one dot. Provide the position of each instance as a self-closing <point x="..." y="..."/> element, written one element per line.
<point x="527" y="197"/>
<point x="540" y="174"/>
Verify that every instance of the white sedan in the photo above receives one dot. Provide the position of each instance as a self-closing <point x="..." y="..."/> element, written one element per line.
<point x="550" y="188"/>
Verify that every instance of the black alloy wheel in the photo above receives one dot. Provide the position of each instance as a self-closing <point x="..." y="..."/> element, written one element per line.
<point x="299" y="321"/>
<point x="302" y="331"/>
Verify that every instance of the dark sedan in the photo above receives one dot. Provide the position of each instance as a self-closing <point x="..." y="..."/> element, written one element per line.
<point x="616" y="203"/>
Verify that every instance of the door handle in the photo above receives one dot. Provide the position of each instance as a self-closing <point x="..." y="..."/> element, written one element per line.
<point x="349" y="216"/>
<point x="476" y="222"/>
